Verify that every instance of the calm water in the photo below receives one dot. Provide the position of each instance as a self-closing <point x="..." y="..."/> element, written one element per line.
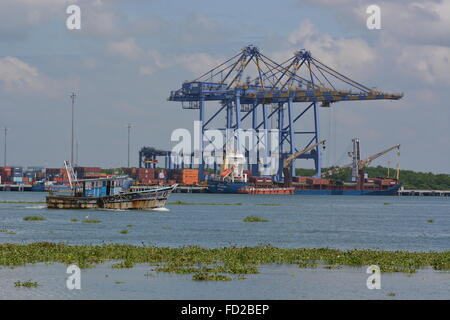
<point x="343" y="222"/>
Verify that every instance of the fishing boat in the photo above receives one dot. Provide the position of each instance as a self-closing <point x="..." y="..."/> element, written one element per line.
<point x="105" y="193"/>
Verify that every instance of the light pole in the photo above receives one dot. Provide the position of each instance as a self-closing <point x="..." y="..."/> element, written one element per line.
<point x="4" y="155"/>
<point x="72" y="96"/>
<point x="129" y="132"/>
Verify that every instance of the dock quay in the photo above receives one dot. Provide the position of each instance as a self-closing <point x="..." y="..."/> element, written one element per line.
<point x="430" y="193"/>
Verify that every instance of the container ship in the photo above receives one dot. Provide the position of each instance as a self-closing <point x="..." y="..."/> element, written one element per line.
<point x="233" y="179"/>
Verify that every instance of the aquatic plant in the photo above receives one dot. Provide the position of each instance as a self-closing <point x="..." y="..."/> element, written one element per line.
<point x="268" y="204"/>
<point x="227" y="260"/>
<point x="7" y="231"/>
<point x="430" y="220"/>
<point x="254" y="219"/>
<point x="123" y="265"/>
<point x="123" y="231"/>
<point x="27" y="202"/>
<point x="129" y="225"/>
<point x="73" y="220"/>
<point x="26" y="284"/>
<point x="87" y="220"/>
<point x="34" y="218"/>
<point x="203" y="276"/>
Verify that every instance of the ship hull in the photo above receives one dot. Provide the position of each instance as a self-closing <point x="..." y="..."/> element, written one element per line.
<point x="225" y="186"/>
<point x="142" y="200"/>
<point x="390" y="191"/>
<point x="239" y="188"/>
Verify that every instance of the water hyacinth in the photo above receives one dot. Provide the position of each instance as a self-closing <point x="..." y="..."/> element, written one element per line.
<point x="230" y="260"/>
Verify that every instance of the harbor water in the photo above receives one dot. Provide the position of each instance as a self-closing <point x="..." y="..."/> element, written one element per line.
<point x="341" y="222"/>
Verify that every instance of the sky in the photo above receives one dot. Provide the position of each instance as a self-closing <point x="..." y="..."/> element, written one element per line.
<point x="129" y="55"/>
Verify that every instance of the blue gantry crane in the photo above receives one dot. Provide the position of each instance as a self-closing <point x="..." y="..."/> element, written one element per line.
<point x="252" y="84"/>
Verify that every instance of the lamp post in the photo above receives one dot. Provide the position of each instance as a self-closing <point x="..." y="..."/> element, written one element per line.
<point x="72" y="96"/>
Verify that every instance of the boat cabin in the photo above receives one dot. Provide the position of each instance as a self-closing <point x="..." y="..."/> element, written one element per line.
<point x="102" y="187"/>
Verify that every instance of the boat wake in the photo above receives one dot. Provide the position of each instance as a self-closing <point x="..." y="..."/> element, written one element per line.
<point x="36" y="207"/>
<point x="160" y="209"/>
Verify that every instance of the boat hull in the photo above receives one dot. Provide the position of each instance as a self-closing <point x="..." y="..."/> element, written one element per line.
<point x="141" y="200"/>
<point x="225" y="186"/>
<point x="391" y="191"/>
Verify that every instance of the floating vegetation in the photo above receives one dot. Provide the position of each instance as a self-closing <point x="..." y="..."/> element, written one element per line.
<point x="119" y="282"/>
<point x="123" y="231"/>
<point x="204" y="203"/>
<point x="254" y="219"/>
<point x="228" y="260"/>
<point x="391" y="294"/>
<point x="91" y="221"/>
<point x="430" y="220"/>
<point x="387" y="203"/>
<point x="268" y="204"/>
<point x="34" y="218"/>
<point x="26" y="284"/>
<point x="129" y="225"/>
<point x="203" y="276"/>
<point x="73" y="220"/>
<point x="27" y="202"/>
<point x="7" y="232"/>
<point x="123" y="265"/>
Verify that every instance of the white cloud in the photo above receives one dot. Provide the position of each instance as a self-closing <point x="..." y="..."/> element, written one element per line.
<point x="426" y="63"/>
<point x="197" y="63"/>
<point x="351" y="56"/>
<point x="126" y="48"/>
<point x="16" y="76"/>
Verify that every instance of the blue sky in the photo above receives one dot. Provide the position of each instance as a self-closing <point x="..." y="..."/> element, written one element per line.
<point x="129" y="55"/>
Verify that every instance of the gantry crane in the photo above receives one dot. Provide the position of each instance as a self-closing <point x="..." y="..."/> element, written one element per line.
<point x="249" y="83"/>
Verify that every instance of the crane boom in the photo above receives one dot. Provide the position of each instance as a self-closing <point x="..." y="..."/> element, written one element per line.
<point x="363" y="163"/>
<point x="287" y="162"/>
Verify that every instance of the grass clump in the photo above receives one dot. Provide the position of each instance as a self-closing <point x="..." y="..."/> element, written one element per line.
<point x="34" y="218"/>
<point x="27" y="202"/>
<point x="203" y="276"/>
<point x="227" y="260"/>
<point x="123" y="265"/>
<point x="391" y="294"/>
<point x="254" y="219"/>
<point x="26" y="284"/>
<point x="87" y="220"/>
<point x="7" y="231"/>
